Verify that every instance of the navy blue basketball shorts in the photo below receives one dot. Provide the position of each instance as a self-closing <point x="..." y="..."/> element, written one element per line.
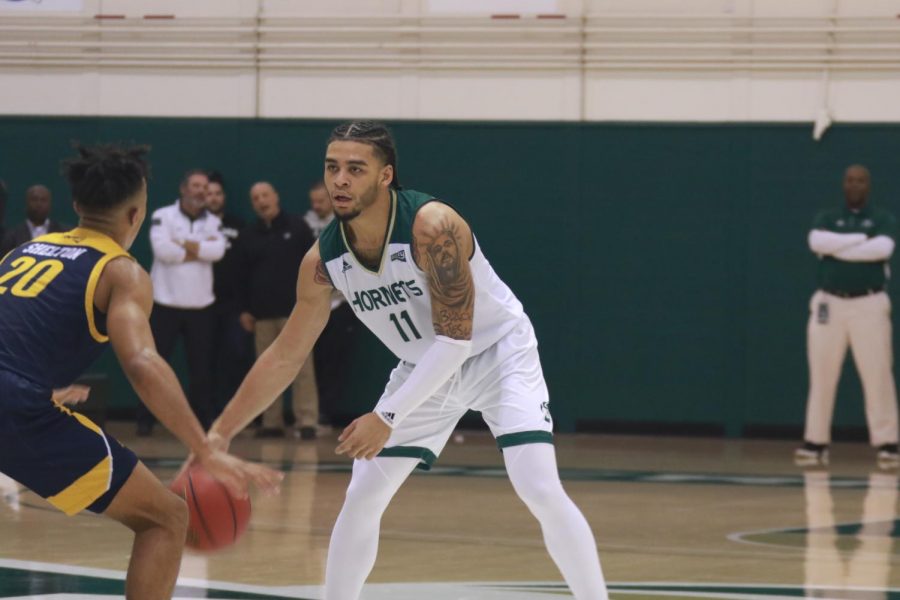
<point x="57" y="453"/>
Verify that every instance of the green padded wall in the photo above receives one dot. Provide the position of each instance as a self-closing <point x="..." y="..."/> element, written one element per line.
<point x="664" y="266"/>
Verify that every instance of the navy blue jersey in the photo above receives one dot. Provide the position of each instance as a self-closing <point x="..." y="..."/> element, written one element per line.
<point x="50" y="331"/>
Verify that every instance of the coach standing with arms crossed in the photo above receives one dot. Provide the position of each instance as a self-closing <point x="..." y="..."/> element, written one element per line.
<point x="186" y="240"/>
<point x="851" y="306"/>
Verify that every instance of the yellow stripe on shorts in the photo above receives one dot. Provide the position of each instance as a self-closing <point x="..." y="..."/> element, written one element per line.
<point x="85" y="490"/>
<point x="90" y="486"/>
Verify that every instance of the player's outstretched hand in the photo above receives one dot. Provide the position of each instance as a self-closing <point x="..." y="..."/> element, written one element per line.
<point x="74" y="394"/>
<point x="237" y="474"/>
<point x="364" y="437"/>
<point x="214" y="441"/>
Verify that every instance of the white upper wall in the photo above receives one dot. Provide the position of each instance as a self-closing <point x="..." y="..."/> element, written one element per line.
<point x="633" y="60"/>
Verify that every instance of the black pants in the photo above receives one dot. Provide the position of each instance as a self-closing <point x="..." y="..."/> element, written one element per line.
<point x="197" y="326"/>
<point x="330" y="354"/>
<point x="234" y="354"/>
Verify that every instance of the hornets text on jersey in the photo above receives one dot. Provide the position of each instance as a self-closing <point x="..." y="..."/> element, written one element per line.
<point x="394" y="302"/>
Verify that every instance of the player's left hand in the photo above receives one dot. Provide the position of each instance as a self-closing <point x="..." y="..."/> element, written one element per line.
<point x="73" y="394"/>
<point x="364" y="437"/>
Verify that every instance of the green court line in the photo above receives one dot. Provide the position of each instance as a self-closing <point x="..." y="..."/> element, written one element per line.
<point x="42" y="579"/>
<point x="27" y="582"/>
<point x="658" y="477"/>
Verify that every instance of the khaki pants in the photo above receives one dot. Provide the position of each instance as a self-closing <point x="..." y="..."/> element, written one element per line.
<point x="304" y="393"/>
<point x="864" y="324"/>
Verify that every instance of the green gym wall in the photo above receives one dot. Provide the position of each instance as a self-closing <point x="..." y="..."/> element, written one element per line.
<point x="665" y="267"/>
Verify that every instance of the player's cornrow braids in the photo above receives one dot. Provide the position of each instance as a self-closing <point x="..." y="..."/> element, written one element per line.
<point x="105" y="175"/>
<point x="376" y="135"/>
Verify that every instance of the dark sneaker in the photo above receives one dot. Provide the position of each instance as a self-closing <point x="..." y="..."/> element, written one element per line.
<point x="888" y="456"/>
<point x="810" y="455"/>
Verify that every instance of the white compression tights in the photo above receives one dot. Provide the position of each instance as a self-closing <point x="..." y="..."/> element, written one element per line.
<point x="567" y="535"/>
<point x="354" y="540"/>
<point x="532" y="470"/>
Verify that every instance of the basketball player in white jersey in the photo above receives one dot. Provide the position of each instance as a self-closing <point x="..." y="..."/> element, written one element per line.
<point x="414" y="274"/>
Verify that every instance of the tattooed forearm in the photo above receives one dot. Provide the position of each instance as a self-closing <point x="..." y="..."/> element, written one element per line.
<point x="321" y="275"/>
<point x="440" y="254"/>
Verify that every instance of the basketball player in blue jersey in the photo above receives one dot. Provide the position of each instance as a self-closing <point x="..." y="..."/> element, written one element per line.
<point x="63" y="296"/>
<point x="412" y="271"/>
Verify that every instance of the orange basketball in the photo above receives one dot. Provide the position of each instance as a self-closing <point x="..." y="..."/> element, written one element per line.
<point x="217" y="519"/>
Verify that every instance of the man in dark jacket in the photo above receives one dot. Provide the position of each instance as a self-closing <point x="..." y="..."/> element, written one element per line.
<point x="271" y="250"/>
<point x="38" y="202"/>
<point x="233" y="345"/>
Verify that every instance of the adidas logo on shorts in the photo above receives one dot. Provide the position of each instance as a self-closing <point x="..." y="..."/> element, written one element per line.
<point x="388" y="416"/>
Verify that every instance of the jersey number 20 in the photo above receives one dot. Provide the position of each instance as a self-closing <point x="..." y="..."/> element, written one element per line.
<point x="33" y="276"/>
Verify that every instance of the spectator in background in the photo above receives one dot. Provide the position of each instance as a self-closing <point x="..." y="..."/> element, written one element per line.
<point x="186" y="241"/>
<point x="854" y="244"/>
<point x="271" y="251"/>
<point x="74" y="393"/>
<point x="331" y="347"/>
<point x="233" y="345"/>
<point x="38" y="202"/>
<point x="320" y="212"/>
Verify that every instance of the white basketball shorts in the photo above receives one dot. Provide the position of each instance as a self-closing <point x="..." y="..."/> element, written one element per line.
<point x="504" y="383"/>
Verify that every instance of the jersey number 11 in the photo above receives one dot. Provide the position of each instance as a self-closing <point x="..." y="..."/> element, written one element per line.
<point x="405" y="316"/>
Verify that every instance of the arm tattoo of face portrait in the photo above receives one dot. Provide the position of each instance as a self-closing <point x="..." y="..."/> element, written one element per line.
<point x="440" y="254"/>
<point x="321" y="275"/>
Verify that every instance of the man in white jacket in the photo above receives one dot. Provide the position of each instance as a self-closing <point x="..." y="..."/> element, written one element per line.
<point x="186" y="241"/>
<point x="851" y="307"/>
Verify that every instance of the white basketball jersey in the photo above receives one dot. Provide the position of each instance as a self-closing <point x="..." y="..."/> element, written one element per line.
<point x="394" y="301"/>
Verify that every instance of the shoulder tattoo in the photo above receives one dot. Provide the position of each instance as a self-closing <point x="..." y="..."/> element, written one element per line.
<point x="439" y="253"/>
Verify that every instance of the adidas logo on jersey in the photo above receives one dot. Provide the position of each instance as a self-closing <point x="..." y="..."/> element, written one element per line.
<point x="399" y="256"/>
<point x="388" y="416"/>
<point x="347" y="267"/>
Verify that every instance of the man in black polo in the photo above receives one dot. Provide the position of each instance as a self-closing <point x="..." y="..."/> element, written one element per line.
<point x="851" y="307"/>
<point x="271" y="250"/>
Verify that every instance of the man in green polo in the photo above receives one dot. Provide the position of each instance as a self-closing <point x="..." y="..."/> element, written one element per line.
<point x="851" y="306"/>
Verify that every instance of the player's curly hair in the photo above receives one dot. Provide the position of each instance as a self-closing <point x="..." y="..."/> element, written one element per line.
<point x="106" y="175"/>
<point x="376" y="135"/>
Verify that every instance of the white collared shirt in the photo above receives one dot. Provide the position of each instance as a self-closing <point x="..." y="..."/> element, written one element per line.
<point x="176" y="283"/>
<point x="38" y="230"/>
